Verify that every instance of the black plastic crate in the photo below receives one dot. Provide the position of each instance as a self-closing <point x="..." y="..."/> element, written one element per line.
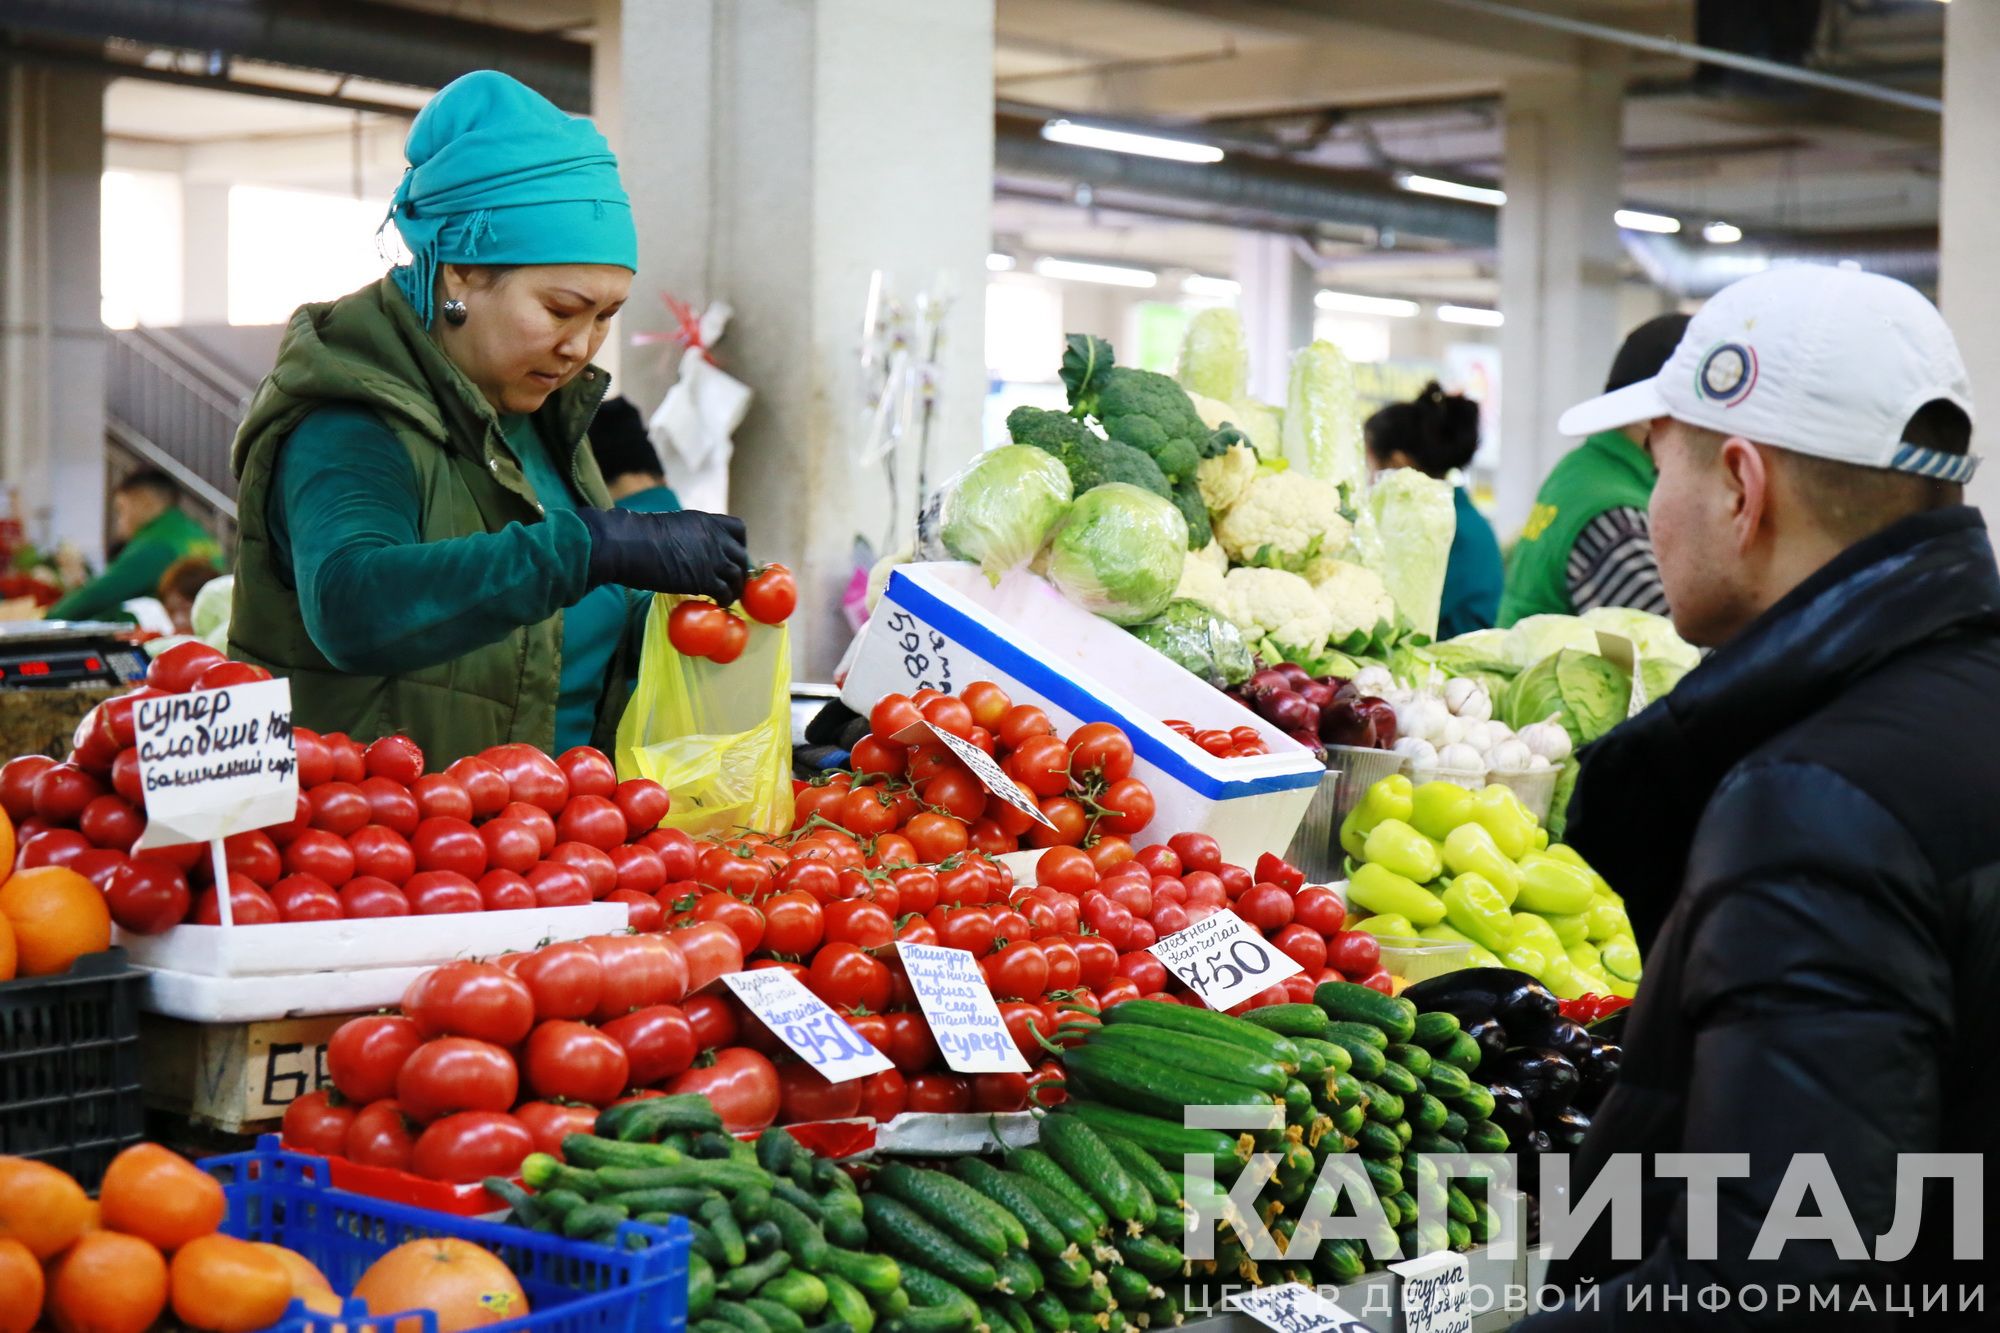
<point x="69" y="1065"/>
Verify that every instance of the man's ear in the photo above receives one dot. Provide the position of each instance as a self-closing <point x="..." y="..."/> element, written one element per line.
<point x="1747" y="474"/>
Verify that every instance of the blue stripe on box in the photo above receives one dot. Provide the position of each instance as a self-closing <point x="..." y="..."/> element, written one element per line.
<point x="1073" y="699"/>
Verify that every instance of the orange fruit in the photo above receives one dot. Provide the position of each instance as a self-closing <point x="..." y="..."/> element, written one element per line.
<point x="225" y="1285"/>
<point x="9" y="957"/>
<point x="21" y="1284"/>
<point x="41" y="1207"/>
<point x="107" y="1283"/>
<point x="305" y="1274"/>
<point x="57" y="915"/>
<point x="6" y="844"/>
<point x="466" y="1285"/>
<point x="159" y="1195"/>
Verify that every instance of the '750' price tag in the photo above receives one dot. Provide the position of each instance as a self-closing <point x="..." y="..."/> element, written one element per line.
<point x="1223" y="960"/>
<point x="800" y="1019"/>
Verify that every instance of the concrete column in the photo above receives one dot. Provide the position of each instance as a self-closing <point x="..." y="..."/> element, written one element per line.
<point x="1277" y="307"/>
<point x="204" y="251"/>
<point x="52" y="341"/>
<point x="1559" y="261"/>
<point x="1969" y="268"/>
<point x="777" y="152"/>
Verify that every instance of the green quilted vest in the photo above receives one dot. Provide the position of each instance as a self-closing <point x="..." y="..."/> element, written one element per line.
<point x="1606" y="471"/>
<point x="369" y="350"/>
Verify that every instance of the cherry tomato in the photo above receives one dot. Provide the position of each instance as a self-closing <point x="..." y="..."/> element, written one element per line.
<point x="988" y="702"/>
<point x="368" y="896"/>
<point x="565" y="980"/>
<point x="944" y="1094"/>
<point x="884" y="1095"/>
<point x="741" y="1084"/>
<point x="381" y="1136"/>
<point x="1108" y="851"/>
<point x="770" y="595"/>
<point x="548" y="1123"/>
<point x="1041" y="764"/>
<point x="1071" y="820"/>
<point x="456" y="1074"/>
<point x="576" y="1062"/>
<point x="1021" y="722"/>
<point x="1100" y="749"/>
<point x="147" y="897"/>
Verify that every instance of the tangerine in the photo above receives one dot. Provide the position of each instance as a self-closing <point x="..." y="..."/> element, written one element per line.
<point x="159" y="1195"/>
<point x="21" y="1286"/>
<point x="107" y="1283"/>
<point x="41" y="1207"/>
<point x="225" y="1285"/>
<point x="57" y="916"/>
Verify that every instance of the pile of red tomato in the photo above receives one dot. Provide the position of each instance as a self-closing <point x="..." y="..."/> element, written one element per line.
<point x="699" y="628"/>
<point x="488" y="1062"/>
<point x="374" y="835"/>
<point x="1083" y="786"/>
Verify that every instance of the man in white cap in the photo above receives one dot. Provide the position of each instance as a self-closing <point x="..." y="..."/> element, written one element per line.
<point x="1807" y="830"/>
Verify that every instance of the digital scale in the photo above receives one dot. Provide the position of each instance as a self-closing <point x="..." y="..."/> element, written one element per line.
<point x="57" y="654"/>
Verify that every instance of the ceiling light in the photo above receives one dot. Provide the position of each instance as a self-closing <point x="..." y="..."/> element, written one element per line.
<point x="1631" y="219"/>
<point x="1851" y="265"/>
<point x="1125" y="141"/>
<point x="1353" y="303"/>
<point x="1444" y="189"/>
<point x="1471" y="314"/>
<point x="1200" y="284"/>
<point x="1115" y="275"/>
<point x="999" y="263"/>
<point x="1722" y="233"/>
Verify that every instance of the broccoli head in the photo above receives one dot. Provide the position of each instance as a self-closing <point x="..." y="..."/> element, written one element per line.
<point x="1048" y="431"/>
<point x="1142" y="408"/>
<point x="1187" y="499"/>
<point x="1090" y="459"/>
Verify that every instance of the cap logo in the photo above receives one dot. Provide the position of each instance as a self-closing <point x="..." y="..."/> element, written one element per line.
<point x="1727" y="374"/>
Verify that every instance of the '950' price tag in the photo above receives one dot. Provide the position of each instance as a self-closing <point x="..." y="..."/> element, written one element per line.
<point x="800" y="1019"/>
<point x="1223" y="960"/>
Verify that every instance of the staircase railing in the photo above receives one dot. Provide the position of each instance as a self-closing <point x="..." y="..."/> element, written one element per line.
<point x="176" y="409"/>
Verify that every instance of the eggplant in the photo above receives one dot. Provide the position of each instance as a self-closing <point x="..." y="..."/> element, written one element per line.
<point x="1545" y="1078"/>
<point x="1527" y="1008"/>
<point x="1491" y="1036"/>
<point x="1511" y="1112"/>
<point x="1565" y="1129"/>
<point x="1598" y="1066"/>
<point x="1471" y="993"/>
<point x="1565" y="1038"/>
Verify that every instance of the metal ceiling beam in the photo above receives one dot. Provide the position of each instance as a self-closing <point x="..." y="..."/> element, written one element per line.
<point x="14" y="53"/>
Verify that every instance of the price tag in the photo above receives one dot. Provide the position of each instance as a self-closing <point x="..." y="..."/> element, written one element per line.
<point x="1223" y="960"/>
<point x="1436" y="1293"/>
<point x="959" y="1007"/>
<point x="816" y="1034"/>
<point x="1623" y="653"/>
<point x="1292" y="1307"/>
<point x="925" y="660"/>
<point x="991" y="776"/>
<point x="216" y="762"/>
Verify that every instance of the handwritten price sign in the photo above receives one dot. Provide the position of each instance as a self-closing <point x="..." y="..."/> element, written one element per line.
<point x="1293" y="1307"/>
<point x="959" y="1008"/>
<point x="216" y="762"/>
<point x="800" y="1019"/>
<point x="991" y="776"/>
<point x="1436" y="1295"/>
<point x="1223" y="960"/>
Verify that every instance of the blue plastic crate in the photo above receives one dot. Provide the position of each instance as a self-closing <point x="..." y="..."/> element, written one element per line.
<point x="572" y="1286"/>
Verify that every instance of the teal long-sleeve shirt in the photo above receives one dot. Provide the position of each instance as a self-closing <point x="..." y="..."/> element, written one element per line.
<point x="1473" y="573"/>
<point x="378" y="600"/>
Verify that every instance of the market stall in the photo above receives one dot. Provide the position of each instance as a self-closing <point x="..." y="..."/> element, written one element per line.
<point x="1164" y="921"/>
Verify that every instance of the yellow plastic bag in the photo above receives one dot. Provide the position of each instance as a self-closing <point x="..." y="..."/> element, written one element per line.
<point x="718" y="738"/>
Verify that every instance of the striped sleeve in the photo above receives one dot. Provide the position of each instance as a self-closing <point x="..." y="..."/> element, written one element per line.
<point x="1612" y="564"/>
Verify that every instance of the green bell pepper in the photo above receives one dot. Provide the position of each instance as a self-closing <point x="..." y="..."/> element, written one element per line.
<point x="1387" y="926"/>
<point x="1388" y="799"/>
<point x="1606" y="920"/>
<point x="1562" y="977"/>
<point x="1470" y="849"/>
<point x="1525" y="958"/>
<point x="1394" y="845"/>
<point x="1439" y="807"/>
<point x="1384" y="892"/>
<point x="1529" y="929"/>
<point x="1549" y="885"/>
<point x="1474" y="906"/>
<point x="1621" y="958"/>
<point x="1571" y="928"/>
<point x="1501" y="813"/>
<point x="1567" y="854"/>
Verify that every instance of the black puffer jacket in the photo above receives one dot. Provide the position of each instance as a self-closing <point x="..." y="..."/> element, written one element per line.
<point x="1808" y="828"/>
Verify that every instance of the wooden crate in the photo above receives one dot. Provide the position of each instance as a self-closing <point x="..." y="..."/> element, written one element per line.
<point x="234" y="1077"/>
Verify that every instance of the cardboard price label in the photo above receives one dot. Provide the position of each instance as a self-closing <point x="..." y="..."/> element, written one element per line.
<point x="991" y="776"/>
<point x="959" y="1006"/>
<point x="1436" y="1293"/>
<point x="816" y="1034"/>
<point x="1292" y="1307"/>
<point x="216" y="762"/>
<point x="1223" y="960"/>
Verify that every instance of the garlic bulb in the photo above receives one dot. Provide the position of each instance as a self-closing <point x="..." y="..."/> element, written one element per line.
<point x="1452" y="732"/>
<point x="1547" y="739"/>
<point x="1420" y="752"/>
<point x="1423" y="717"/>
<point x="1479" y="735"/>
<point x="1461" y="758"/>
<point x="1536" y="762"/>
<point x="1374" y="680"/>
<point x="1468" y="699"/>
<point x="1510" y="756"/>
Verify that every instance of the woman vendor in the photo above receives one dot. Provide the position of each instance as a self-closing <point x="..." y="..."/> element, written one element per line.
<point x="426" y="544"/>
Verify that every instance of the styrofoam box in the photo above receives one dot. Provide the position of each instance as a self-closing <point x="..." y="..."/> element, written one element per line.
<point x="944" y="626"/>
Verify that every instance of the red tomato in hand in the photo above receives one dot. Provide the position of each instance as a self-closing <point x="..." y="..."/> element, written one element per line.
<point x="565" y="980"/>
<point x="658" y="1042"/>
<point x="456" y="1074"/>
<point x="697" y="629"/>
<point x="771" y="595"/>
<point x="575" y="1062"/>
<point x="467" y="999"/>
<point x="742" y="1085"/>
<point x="804" y="1095"/>
<point x="314" y="1124"/>
<point x="381" y="1136"/>
<point x="946" y="1094"/>
<point x="470" y="1146"/>
<point x="549" y="1122"/>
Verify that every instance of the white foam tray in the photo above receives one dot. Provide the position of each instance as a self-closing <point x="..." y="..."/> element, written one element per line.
<point x="200" y="999"/>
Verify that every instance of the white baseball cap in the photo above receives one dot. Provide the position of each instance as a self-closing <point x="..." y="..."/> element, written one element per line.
<point x="1823" y="361"/>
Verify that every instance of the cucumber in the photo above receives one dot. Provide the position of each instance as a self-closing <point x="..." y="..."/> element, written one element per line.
<point x="728" y="1177"/>
<point x="1383" y="1105"/>
<point x="1454" y="1127"/>
<point x="1144" y="1168"/>
<point x="1435" y="1030"/>
<point x="1358" y="1031"/>
<point x="778" y="1152"/>
<point x="802" y="1234"/>
<point x="1403" y="1131"/>
<point x="1428" y="1112"/>
<point x="897" y="1229"/>
<point x="1406" y="1206"/>
<point x="1048" y="1311"/>
<point x="1203" y="1055"/>
<point x="1339" y="1261"/>
<point x="943" y="1202"/>
<point x="1068" y="1269"/>
<point x="1385" y="1178"/>
<point x="1040" y="1167"/>
<point x="721" y="1223"/>
<point x="1290" y="1020"/>
<point x="845" y="1302"/>
<point x="1130" y="1287"/>
<point x="1077" y="1148"/>
<point x="1344" y="1000"/>
<point x="1349" y="1090"/>
<point x="1313" y="1061"/>
<point x="743" y="1281"/>
<point x="650" y="1119"/>
<point x="1152" y="1086"/>
<point x="1204" y="1023"/>
<point x="1167" y="1140"/>
<point x="701" y="1286"/>
<point x="1460" y="1234"/>
<point x="1461" y="1052"/>
<point x="1427" y="1142"/>
<point x="1377" y="1140"/>
<point x="751" y="1206"/>
<point x="1447" y="1082"/>
<point x="736" y="1315"/>
<point x="1459" y="1207"/>
<point x="1016" y="1315"/>
<point x="1337" y="1057"/>
<point x="1365" y="1060"/>
<point x="774" y="1312"/>
<point x="893" y="1305"/>
<point x="1399" y="1080"/>
<point x="587" y="1151"/>
<point x="1482" y="1136"/>
<point x="1018" y="1274"/>
<point x="1487" y="1226"/>
<point x="1091" y="1299"/>
<point x="1392" y="1212"/>
<point x="1165" y="1312"/>
<point x="940" y="1300"/>
<point x="1475" y="1101"/>
<point x="874" y="1274"/>
<point x="1060" y="1208"/>
<point x="1044" y="1239"/>
<point x="1411" y="1057"/>
<point x="1299" y="1108"/>
<point x="1349" y="1118"/>
<point x="1150" y="1254"/>
<point x="543" y="1173"/>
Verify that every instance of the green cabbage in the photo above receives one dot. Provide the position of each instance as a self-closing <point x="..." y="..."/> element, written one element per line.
<point x="1119" y="552"/>
<point x="1584" y="692"/>
<point x="1652" y="635"/>
<point x="1215" y="356"/>
<point x="1535" y="637"/>
<point x="1322" y="426"/>
<point x="1404" y="533"/>
<point x="1200" y="641"/>
<point x="1001" y="508"/>
<point x="1658" y="676"/>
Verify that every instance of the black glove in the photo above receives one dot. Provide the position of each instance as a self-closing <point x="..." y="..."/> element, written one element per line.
<point x="700" y="555"/>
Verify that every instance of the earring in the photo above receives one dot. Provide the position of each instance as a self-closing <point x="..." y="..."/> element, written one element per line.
<point x="454" y="312"/>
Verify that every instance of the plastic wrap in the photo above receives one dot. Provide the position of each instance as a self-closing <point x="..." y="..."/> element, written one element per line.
<point x="999" y="510"/>
<point x="1119" y="553"/>
<point x="1200" y="641"/>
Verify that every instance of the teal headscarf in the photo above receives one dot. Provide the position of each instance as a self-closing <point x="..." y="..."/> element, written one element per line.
<point x="500" y="175"/>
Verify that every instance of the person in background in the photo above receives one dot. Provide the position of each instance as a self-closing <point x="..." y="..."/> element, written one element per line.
<point x="628" y="461"/>
<point x="1437" y="434"/>
<point x="146" y="517"/>
<point x="1587" y="543"/>
<point x="178" y="586"/>
<point x="1827" y="876"/>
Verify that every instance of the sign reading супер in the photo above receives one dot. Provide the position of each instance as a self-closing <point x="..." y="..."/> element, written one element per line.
<point x="216" y="762"/>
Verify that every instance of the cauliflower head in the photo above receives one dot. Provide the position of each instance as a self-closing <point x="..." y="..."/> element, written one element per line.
<point x="1280" y="606"/>
<point x="1214" y="413"/>
<point x="1224" y="478"/>
<point x="1355" y="597"/>
<point x="1202" y="582"/>
<point x="1214" y="556"/>
<point x="1284" y="519"/>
